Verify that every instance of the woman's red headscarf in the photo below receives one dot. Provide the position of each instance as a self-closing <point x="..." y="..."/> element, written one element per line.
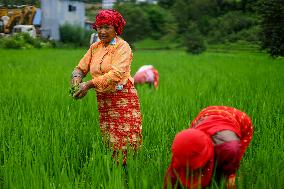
<point x="110" y="17"/>
<point x="192" y="150"/>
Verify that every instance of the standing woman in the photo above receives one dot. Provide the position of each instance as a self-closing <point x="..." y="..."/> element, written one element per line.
<point x="216" y="140"/>
<point x="109" y="62"/>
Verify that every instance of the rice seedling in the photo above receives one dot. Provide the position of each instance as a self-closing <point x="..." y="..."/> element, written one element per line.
<point x="51" y="141"/>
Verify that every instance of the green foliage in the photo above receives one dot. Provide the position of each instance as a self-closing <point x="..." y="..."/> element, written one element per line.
<point x="21" y="41"/>
<point x="192" y="11"/>
<point x="137" y="22"/>
<point x="166" y="3"/>
<point x="272" y="26"/>
<point x="218" y="21"/>
<point x="73" y="89"/>
<point x="21" y="2"/>
<point x="232" y="27"/>
<point x="193" y="40"/>
<point x="154" y="22"/>
<point x="161" y="21"/>
<point x="74" y="35"/>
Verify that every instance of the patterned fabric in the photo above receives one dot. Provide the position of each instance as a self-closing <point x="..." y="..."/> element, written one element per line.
<point x="109" y="65"/>
<point x="110" y="17"/>
<point x="120" y="118"/>
<point x="147" y="74"/>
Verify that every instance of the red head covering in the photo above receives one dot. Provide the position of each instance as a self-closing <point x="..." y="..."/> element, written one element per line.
<point x="110" y="17"/>
<point x="193" y="149"/>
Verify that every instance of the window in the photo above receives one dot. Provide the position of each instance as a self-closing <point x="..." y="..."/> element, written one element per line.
<point x="71" y="8"/>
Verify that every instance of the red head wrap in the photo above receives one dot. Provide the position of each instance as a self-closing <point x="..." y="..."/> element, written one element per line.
<point x="110" y="17"/>
<point x="193" y="149"/>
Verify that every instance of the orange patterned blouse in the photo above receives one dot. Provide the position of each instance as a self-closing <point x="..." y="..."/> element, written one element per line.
<point x="109" y="66"/>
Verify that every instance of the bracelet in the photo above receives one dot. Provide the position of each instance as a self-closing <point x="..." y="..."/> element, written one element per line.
<point x="119" y="87"/>
<point x="77" y="73"/>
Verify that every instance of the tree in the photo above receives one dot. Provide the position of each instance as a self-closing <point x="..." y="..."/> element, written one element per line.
<point x="193" y="39"/>
<point x="248" y="5"/>
<point x="272" y="26"/>
<point x="137" y="27"/>
<point x="161" y="21"/>
<point x="166" y="3"/>
<point x="186" y="11"/>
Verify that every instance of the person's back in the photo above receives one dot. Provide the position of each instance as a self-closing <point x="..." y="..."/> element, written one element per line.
<point x="147" y="74"/>
<point x="230" y="130"/>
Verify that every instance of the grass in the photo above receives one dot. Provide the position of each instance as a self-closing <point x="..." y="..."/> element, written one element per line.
<point x="49" y="140"/>
<point x="168" y="44"/>
<point x="151" y="44"/>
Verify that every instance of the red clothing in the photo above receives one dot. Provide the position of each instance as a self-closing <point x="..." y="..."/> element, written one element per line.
<point x="211" y="120"/>
<point x="147" y="74"/>
<point x="120" y="119"/>
<point x="110" y="17"/>
<point x="192" y="149"/>
<point x="217" y="118"/>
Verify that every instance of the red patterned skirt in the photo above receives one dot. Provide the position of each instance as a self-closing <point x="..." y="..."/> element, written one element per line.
<point x="120" y="118"/>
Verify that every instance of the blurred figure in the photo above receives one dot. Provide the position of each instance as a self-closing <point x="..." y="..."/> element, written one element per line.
<point x="147" y="74"/>
<point x="94" y="38"/>
<point x="216" y="140"/>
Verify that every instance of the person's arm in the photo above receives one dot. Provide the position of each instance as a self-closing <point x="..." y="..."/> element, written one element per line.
<point x="82" y="68"/>
<point x="84" y="64"/>
<point x="79" y="73"/>
<point x="120" y="68"/>
<point x="83" y="89"/>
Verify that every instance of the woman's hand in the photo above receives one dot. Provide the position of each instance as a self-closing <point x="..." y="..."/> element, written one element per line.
<point x="83" y="89"/>
<point x="76" y="81"/>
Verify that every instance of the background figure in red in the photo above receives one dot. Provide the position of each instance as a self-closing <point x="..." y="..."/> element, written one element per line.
<point x="216" y="140"/>
<point x="147" y="74"/>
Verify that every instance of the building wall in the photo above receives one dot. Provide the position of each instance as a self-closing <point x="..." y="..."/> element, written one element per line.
<point x="108" y="4"/>
<point x="58" y="12"/>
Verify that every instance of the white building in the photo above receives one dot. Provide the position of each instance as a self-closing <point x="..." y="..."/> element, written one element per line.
<point x="58" y="12"/>
<point x="108" y="4"/>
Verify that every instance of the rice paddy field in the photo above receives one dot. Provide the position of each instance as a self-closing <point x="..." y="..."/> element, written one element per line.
<point x="49" y="140"/>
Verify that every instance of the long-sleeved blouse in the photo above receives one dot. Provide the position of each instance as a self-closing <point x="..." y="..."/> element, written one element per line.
<point x="108" y="66"/>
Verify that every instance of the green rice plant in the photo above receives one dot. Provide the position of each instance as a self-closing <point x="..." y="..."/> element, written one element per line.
<point x="48" y="140"/>
<point x="73" y="89"/>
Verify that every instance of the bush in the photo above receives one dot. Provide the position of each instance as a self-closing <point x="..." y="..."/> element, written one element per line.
<point x="250" y="35"/>
<point x="232" y="27"/>
<point x="194" y="41"/>
<point x="20" y="41"/>
<point x="75" y="35"/>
